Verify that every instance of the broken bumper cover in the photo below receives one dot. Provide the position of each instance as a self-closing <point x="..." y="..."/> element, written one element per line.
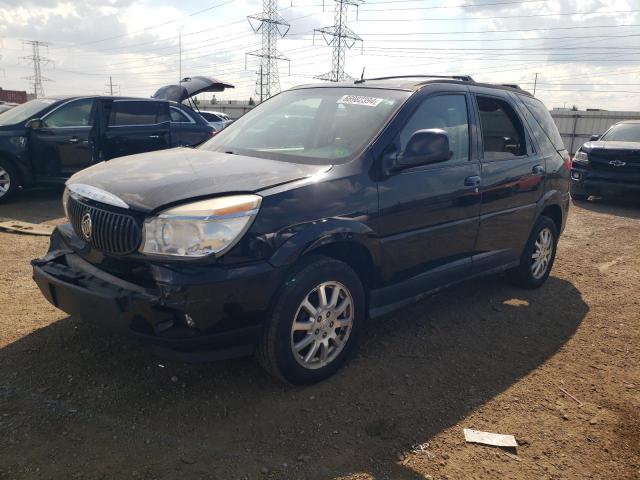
<point x="216" y="314"/>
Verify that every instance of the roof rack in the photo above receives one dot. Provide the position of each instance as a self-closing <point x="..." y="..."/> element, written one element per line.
<point x="463" y="78"/>
<point x="512" y="85"/>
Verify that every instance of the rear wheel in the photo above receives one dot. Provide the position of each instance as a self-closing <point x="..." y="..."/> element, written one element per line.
<point x="538" y="255"/>
<point x="8" y="181"/>
<point x="315" y="323"/>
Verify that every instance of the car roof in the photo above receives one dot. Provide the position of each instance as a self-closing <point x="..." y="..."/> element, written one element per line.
<point x="59" y="98"/>
<point x="414" y="83"/>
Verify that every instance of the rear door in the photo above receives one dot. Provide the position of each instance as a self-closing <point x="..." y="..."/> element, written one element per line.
<point x="513" y="176"/>
<point x="429" y="214"/>
<point x="64" y="144"/>
<point x="136" y="126"/>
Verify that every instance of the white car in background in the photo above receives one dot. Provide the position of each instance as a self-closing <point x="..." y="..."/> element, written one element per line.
<point x="217" y="120"/>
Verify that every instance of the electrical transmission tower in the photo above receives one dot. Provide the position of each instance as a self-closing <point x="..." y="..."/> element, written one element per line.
<point x="341" y="38"/>
<point x="271" y="26"/>
<point x="37" y="78"/>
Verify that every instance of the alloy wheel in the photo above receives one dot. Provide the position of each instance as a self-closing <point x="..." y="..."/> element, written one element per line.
<point x="322" y="325"/>
<point x="542" y="253"/>
<point x="5" y="182"/>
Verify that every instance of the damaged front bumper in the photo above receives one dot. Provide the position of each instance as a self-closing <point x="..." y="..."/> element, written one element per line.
<point x="196" y="314"/>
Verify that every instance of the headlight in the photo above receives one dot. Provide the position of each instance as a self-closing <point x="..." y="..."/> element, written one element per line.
<point x="581" y="158"/>
<point x="199" y="229"/>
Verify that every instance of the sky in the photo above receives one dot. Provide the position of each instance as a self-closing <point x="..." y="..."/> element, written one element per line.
<point x="585" y="52"/>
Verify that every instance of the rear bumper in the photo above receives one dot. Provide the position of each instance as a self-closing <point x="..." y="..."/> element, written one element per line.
<point x="225" y="308"/>
<point x="584" y="182"/>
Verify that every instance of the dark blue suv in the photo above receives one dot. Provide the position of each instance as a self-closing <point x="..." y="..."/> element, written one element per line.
<point x="321" y="208"/>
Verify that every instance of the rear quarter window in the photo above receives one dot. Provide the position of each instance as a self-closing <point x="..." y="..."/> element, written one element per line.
<point x="544" y="120"/>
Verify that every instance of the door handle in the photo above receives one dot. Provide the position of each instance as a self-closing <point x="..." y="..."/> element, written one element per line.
<point x="538" y="170"/>
<point x="472" y="181"/>
<point x="74" y="140"/>
<point x="154" y="136"/>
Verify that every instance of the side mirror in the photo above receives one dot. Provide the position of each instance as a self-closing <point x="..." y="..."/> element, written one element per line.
<point x="425" y="147"/>
<point x="593" y="138"/>
<point x="35" y="124"/>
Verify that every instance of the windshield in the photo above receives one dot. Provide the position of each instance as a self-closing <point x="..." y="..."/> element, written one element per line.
<point x="623" y="132"/>
<point x="24" y="112"/>
<point x="310" y="125"/>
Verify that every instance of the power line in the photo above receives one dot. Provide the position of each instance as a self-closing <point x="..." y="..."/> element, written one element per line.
<point x="38" y="60"/>
<point x="494" y="17"/>
<point x="272" y="26"/>
<point x="341" y="38"/>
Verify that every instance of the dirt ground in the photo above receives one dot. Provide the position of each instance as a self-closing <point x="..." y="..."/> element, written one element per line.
<point x="558" y="367"/>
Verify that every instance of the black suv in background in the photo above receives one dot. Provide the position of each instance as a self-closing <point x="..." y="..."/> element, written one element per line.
<point x="49" y="139"/>
<point x="609" y="165"/>
<point x="284" y="241"/>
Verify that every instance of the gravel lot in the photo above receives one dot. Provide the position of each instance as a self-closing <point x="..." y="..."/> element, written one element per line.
<point x="559" y="368"/>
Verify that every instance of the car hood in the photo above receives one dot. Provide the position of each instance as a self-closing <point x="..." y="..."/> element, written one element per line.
<point x="190" y="86"/>
<point x="611" y="145"/>
<point x="152" y="180"/>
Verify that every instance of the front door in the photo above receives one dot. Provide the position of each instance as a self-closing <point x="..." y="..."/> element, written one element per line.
<point x="429" y="213"/>
<point x="513" y="176"/>
<point x="64" y="143"/>
<point x="135" y="126"/>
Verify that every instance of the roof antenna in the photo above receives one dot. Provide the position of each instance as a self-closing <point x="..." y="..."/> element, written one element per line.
<point x="361" y="76"/>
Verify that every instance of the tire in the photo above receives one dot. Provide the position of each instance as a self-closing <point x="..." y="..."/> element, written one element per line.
<point x="529" y="274"/>
<point x="283" y="349"/>
<point x="579" y="197"/>
<point x="8" y="180"/>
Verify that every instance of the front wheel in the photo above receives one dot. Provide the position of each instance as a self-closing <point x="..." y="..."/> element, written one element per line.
<point x="538" y="255"/>
<point x="8" y="181"/>
<point x="315" y="322"/>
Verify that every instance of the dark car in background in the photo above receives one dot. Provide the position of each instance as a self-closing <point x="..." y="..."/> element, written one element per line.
<point x="609" y="165"/>
<point x="47" y="140"/>
<point x="283" y="241"/>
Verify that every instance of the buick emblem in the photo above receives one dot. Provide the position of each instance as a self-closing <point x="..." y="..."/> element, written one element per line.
<point x="86" y="226"/>
<point x="617" y="163"/>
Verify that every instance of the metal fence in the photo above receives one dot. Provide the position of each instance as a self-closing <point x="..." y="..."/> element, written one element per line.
<point x="577" y="126"/>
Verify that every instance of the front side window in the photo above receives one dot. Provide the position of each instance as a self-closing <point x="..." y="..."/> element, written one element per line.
<point x="72" y="114"/>
<point x="623" y="132"/>
<point x="445" y="112"/>
<point x="132" y="113"/>
<point x="311" y="125"/>
<point x="502" y="131"/>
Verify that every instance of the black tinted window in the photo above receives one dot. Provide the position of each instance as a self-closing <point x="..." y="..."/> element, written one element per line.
<point x="446" y="112"/>
<point x="544" y="119"/>
<point x="72" y="114"/>
<point x="137" y="113"/>
<point x="623" y="132"/>
<point x="502" y="131"/>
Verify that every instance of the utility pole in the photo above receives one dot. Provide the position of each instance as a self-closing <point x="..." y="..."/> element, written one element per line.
<point x="110" y="86"/>
<point x="342" y="38"/>
<point x="271" y="26"/>
<point x="38" y="60"/>
<point x="535" y="84"/>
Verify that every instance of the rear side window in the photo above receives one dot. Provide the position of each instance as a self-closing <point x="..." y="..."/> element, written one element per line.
<point x="72" y="114"/>
<point x="177" y="116"/>
<point x="137" y="113"/>
<point x="446" y="112"/>
<point x="502" y="130"/>
<point x="544" y="119"/>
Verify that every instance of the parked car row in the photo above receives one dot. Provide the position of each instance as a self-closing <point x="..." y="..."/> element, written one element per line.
<point x="47" y="140"/>
<point x="323" y="207"/>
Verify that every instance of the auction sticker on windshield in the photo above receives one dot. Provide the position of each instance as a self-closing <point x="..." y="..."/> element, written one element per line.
<point x="359" y="100"/>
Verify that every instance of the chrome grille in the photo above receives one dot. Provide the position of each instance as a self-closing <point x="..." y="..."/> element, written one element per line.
<point x="111" y="232"/>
